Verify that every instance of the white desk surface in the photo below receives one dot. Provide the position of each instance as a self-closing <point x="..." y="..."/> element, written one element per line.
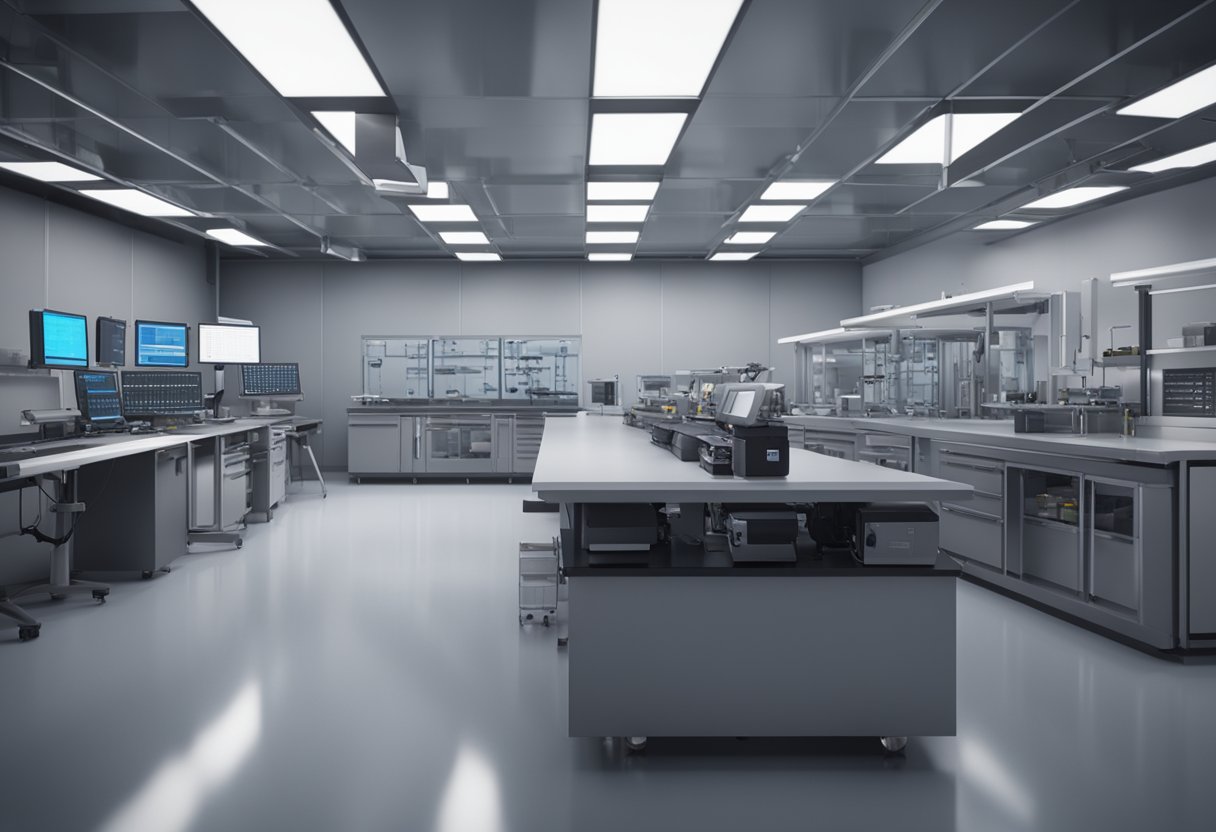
<point x="592" y="458"/>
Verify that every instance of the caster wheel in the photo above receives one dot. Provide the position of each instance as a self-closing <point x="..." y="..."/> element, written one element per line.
<point x="521" y="621"/>
<point x="545" y="621"/>
<point x="146" y="574"/>
<point x="55" y="597"/>
<point x="166" y="569"/>
<point x="100" y="595"/>
<point x="635" y="744"/>
<point x="528" y="617"/>
<point x="894" y="745"/>
<point x="240" y="544"/>
<point x="563" y="642"/>
<point x="28" y="632"/>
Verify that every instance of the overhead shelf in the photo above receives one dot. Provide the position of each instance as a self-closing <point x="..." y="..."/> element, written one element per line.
<point x="1015" y="298"/>
<point x="1181" y="350"/>
<point x="1171" y="271"/>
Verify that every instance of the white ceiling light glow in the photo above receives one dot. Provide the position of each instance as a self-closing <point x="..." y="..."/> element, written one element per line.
<point x="750" y="238"/>
<point x="437" y="190"/>
<point x="1002" y="225"/>
<point x="464" y="238"/>
<point x="734" y="255"/>
<point x="443" y="213"/>
<point x="1073" y="196"/>
<point x="634" y="138"/>
<point x="233" y="237"/>
<point x="49" y="171"/>
<point x="610" y="256"/>
<point x="138" y="202"/>
<point x="612" y="236"/>
<point x="611" y="191"/>
<point x="771" y="213"/>
<point x="1192" y="158"/>
<point x="478" y="256"/>
<point x="340" y="125"/>
<point x="617" y="213"/>
<point x="649" y="49"/>
<point x="796" y="190"/>
<point x="1180" y="98"/>
<point x="927" y="143"/>
<point x="299" y="46"/>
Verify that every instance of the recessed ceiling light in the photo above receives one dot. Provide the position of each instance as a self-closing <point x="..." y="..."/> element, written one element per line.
<point x="645" y="49"/>
<point x="748" y="238"/>
<point x="770" y="213"/>
<point x="340" y="125"/>
<point x="300" y="46"/>
<point x="138" y="202"/>
<point x="478" y="256"/>
<point x="233" y="237"/>
<point x="49" y="171"/>
<point x="444" y="213"/>
<point x="436" y="190"/>
<point x="927" y="143"/>
<point x="615" y="256"/>
<point x="1074" y="196"/>
<point x="1180" y="98"/>
<point x="1002" y="225"/>
<point x="796" y="190"/>
<point x="734" y="255"/>
<point x="634" y="138"/>
<point x="612" y="236"/>
<point x="617" y="213"/>
<point x="1192" y="158"/>
<point x="634" y="191"/>
<point x="464" y="238"/>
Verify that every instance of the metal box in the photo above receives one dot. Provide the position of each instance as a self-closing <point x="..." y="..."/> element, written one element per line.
<point x="897" y="534"/>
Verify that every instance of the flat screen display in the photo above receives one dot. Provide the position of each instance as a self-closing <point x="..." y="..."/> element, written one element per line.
<point x="160" y="344"/>
<point x="97" y="395"/>
<point x="270" y="380"/>
<point x="229" y="344"/>
<point x="161" y="392"/>
<point x="741" y="403"/>
<point x="58" y="340"/>
<point x="111" y="342"/>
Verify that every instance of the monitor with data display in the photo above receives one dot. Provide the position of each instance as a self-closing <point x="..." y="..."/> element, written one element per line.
<point x="111" y="347"/>
<point x="58" y="340"/>
<point x="270" y="381"/>
<point x="161" y="344"/>
<point x="161" y="392"/>
<point x="98" y="397"/>
<point x="229" y="344"/>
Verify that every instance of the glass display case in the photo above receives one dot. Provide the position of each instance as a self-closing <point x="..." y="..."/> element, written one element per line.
<point x="396" y="368"/>
<point x="540" y="368"/>
<point x="466" y="368"/>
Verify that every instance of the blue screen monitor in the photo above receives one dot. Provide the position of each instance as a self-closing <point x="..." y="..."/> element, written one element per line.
<point x="58" y="340"/>
<point x="160" y="344"/>
<point x="97" y="396"/>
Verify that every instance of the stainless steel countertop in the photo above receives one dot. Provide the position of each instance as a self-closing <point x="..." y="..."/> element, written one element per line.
<point x="406" y="408"/>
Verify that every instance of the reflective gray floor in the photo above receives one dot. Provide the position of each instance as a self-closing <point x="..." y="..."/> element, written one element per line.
<point x="358" y="666"/>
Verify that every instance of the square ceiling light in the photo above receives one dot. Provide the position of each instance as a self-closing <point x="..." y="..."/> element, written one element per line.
<point x="612" y="237"/>
<point x="734" y="255"/>
<point x="464" y="238"/>
<point x="621" y="191"/>
<point x="806" y="189"/>
<point x="1192" y="158"/>
<point x="49" y="171"/>
<point x="1073" y="196"/>
<point x="610" y="256"/>
<point x="300" y="46"/>
<point x="1002" y="225"/>
<point x="650" y="49"/>
<point x="437" y="190"/>
<point x="443" y="213"/>
<point x="750" y="238"/>
<point x="138" y="202"/>
<point x="617" y="213"/>
<point x="478" y="256"/>
<point x="770" y="213"/>
<point x="634" y="139"/>
<point x="340" y="124"/>
<point x="927" y="144"/>
<point x="1180" y="98"/>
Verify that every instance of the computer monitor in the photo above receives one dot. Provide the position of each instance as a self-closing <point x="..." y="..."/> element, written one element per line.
<point x="97" y="396"/>
<point x="58" y="340"/>
<point x="161" y="344"/>
<point x="270" y="381"/>
<point x="229" y="344"/>
<point x="161" y="393"/>
<point x="111" y="342"/>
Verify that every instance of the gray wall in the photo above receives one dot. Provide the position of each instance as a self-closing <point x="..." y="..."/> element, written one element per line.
<point x="633" y="317"/>
<point x="60" y="258"/>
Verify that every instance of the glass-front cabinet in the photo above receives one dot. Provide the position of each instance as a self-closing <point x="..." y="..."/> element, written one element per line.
<point x="540" y="368"/>
<point x="397" y="368"/>
<point x="1052" y="514"/>
<point x="459" y="443"/>
<point x="466" y="368"/>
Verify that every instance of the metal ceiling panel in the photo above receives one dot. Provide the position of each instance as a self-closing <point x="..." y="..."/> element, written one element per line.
<point x="702" y="196"/>
<point x="868" y="199"/>
<point x="863" y="129"/>
<point x="516" y="199"/>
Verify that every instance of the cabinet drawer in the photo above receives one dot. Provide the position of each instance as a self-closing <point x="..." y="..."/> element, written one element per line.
<point x="1116" y="576"/>
<point x="982" y="475"/>
<point x="1050" y="552"/>
<point x="973" y="536"/>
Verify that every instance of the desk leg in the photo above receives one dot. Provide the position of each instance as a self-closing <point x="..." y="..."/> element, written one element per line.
<point x="215" y="533"/>
<point x="61" y="583"/>
<point x="315" y="467"/>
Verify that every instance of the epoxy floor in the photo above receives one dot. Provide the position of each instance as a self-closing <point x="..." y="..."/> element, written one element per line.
<point x="358" y="666"/>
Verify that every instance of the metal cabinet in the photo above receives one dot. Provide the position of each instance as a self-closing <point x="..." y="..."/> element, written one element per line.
<point x="885" y="449"/>
<point x="504" y="444"/>
<point x="459" y="444"/>
<point x="528" y="432"/>
<point x="840" y="444"/>
<point x="374" y="444"/>
<point x="269" y="459"/>
<point x="235" y="485"/>
<point x="1051" y="515"/>
<point x="1201" y="551"/>
<point x="410" y="461"/>
<point x="974" y="529"/>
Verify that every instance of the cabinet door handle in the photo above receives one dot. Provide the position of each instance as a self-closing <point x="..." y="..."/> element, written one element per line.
<point x="975" y="515"/>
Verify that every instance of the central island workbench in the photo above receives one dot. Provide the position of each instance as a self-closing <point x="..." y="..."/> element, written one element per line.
<point x="682" y="641"/>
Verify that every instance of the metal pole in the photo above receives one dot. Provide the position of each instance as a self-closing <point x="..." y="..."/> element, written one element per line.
<point x="1145" y="308"/>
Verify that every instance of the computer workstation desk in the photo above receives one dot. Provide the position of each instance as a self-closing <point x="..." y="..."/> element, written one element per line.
<point x="684" y="642"/>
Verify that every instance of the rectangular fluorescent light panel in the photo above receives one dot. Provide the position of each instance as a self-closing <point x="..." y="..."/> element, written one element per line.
<point x="1192" y="158"/>
<point x="632" y="191"/>
<point x="770" y="213"/>
<point x="617" y="213"/>
<point x="464" y="238"/>
<point x="300" y="46"/>
<point x="648" y="49"/>
<point x="1002" y="225"/>
<point x="436" y="190"/>
<point x="1073" y="196"/>
<point x="138" y="202"/>
<point x="634" y="138"/>
<point x="478" y="256"/>
<point x="444" y="213"/>
<point x="750" y="238"/>
<point x="927" y="143"/>
<point x="958" y="301"/>
<point x="612" y="236"/>
<point x="796" y="190"/>
<point x="734" y="255"/>
<point x="340" y="125"/>
<point x="49" y="171"/>
<point x="1180" y="98"/>
<point x="609" y="256"/>
<point x="233" y="237"/>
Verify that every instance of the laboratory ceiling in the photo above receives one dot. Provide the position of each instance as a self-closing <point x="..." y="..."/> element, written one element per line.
<point x="494" y="97"/>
